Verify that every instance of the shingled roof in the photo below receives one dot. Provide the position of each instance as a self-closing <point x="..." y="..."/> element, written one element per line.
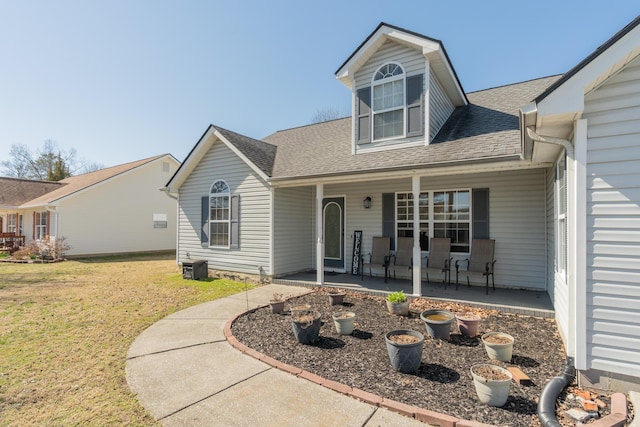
<point x="258" y="152"/>
<point x="16" y="191"/>
<point x="486" y="129"/>
<point x="73" y="184"/>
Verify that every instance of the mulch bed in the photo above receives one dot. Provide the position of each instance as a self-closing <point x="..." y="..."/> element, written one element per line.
<point x="443" y="382"/>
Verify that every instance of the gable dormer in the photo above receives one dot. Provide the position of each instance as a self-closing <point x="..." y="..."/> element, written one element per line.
<point x="404" y="89"/>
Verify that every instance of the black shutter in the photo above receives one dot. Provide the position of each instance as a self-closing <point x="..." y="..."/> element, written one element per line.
<point x="204" y="220"/>
<point x="363" y="102"/>
<point x="389" y="217"/>
<point x="234" y="233"/>
<point x="480" y="200"/>
<point x="414" y="105"/>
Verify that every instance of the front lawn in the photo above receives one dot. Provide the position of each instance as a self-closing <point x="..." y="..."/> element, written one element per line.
<point x="65" y="329"/>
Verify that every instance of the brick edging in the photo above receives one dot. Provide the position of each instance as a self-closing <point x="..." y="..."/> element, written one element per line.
<point x="372" y="399"/>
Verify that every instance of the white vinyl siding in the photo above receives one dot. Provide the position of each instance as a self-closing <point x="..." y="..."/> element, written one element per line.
<point x="517" y="218"/>
<point x="613" y="223"/>
<point x="293" y="230"/>
<point x="440" y="107"/>
<point x="254" y="220"/>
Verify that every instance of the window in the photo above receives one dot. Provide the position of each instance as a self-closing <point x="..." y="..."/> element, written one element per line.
<point x="404" y="217"/>
<point x="561" y="214"/>
<point x="388" y="101"/>
<point x="12" y="223"/>
<point x="442" y="214"/>
<point x="40" y="225"/>
<point x="159" y="220"/>
<point x="451" y="218"/>
<point x="219" y="214"/>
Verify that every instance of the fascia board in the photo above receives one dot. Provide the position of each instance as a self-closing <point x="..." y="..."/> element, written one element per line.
<point x="569" y="96"/>
<point x="192" y="160"/>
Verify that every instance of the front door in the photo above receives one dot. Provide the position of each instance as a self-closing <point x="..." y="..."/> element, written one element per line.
<point x="333" y="226"/>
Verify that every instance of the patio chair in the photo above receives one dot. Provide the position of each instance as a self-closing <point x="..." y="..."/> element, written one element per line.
<point x="439" y="258"/>
<point x="480" y="262"/>
<point x="403" y="258"/>
<point x="379" y="256"/>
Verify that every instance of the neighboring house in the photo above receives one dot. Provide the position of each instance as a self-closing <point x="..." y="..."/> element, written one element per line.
<point x="112" y="210"/>
<point x="549" y="168"/>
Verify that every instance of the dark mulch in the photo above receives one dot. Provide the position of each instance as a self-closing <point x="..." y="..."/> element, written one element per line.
<point x="443" y="382"/>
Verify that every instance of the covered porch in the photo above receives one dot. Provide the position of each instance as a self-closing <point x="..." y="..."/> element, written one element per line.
<point x="508" y="300"/>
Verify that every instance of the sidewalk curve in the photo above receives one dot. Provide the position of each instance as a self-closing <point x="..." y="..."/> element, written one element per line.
<point x="185" y="373"/>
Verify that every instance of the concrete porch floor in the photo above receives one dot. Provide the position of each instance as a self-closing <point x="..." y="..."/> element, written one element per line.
<point x="526" y="302"/>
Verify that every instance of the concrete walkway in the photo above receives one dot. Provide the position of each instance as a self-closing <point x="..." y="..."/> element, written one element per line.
<point x="185" y="373"/>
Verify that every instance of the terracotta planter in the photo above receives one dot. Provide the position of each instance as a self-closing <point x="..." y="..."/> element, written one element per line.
<point x="306" y="326"/>
<point x="468" y="324"/>
<point x="492" y="383"/>
<point x="336" y="298"/>
<point x="344" y="322"/>
<point x="438" y="323"/>
<point x="499" y="346"/>
<point x="405" y="356"/>
<point x="398" y="308"/>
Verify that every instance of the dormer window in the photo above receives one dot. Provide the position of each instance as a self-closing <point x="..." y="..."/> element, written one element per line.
<point x="391" y="108"/>
<point x="388" y="102"/>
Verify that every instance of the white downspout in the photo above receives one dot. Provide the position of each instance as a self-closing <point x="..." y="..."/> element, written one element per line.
<point x="576" y="242"/>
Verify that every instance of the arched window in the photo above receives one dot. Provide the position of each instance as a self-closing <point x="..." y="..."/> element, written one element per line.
<point x="219" y="214"/>
<point x="388" y="87"/>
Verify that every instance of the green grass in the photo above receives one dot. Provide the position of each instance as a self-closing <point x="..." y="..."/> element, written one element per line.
<point x="65" y="329"/>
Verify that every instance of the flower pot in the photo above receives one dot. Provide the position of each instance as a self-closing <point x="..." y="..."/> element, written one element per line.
<point x="499" y="346"/>
<point x="492" y="383"/>
<point x="438" y="323"/>
<point x="336" y="298"/>
<point x="468" y="324"/>
<point x="300" y="309"/>
<point x="276" y="306"/>
<point x="344" y="321"/>
<point x="405" y="354"/>
<point x="306" y="326"/>
<point x="398" y="308"/>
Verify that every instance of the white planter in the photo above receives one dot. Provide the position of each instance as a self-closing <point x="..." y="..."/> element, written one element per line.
<point x="501" y="350"/>
<point x="492" y="391"/>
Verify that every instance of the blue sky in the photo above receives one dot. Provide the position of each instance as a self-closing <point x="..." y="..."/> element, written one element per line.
<point x="119" y="81"/>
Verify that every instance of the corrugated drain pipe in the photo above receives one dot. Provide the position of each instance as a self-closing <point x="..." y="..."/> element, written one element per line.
<point x="550" y="393"/>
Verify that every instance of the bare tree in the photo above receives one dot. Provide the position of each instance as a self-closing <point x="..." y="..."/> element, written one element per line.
<point x="50" y="163"/>
<point x="326" y="114"/>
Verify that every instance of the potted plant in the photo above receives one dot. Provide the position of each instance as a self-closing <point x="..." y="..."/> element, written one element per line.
<point x="300" y="308"/>
<point x="306" y="325"/>
<point x="492" y="383"/>
<point x="438" y="323"/>
<point x="344" y="321"/>
<point x="405" y="349"/>
<point x="277" y="303"/>
<point x="499" y="345"/>
<point x="336" y="297"/>
<point x="468" y="323"/>
<point x="397" y="303"/>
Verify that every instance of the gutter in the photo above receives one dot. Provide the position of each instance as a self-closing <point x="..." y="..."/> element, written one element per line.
<point x="568" y="146"/>
<point x="166" y="191"/>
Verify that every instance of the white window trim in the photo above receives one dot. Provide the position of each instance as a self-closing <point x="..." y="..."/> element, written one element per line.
<point x="431" y="221"/>
<point x="375" y="83"/>
<point x="220" y="221"/>
<point x="40" y="229"/>
<point x="561" y="242"/>
<point x="12" y="226"/>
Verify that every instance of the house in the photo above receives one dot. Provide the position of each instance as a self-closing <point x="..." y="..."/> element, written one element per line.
<point x="548" y="168"/>
<point x="112" y="210"/>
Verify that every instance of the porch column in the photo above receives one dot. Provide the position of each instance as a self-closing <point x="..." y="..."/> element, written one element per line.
<point x="319" y="235"/>
<point x="417" y="260"/>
